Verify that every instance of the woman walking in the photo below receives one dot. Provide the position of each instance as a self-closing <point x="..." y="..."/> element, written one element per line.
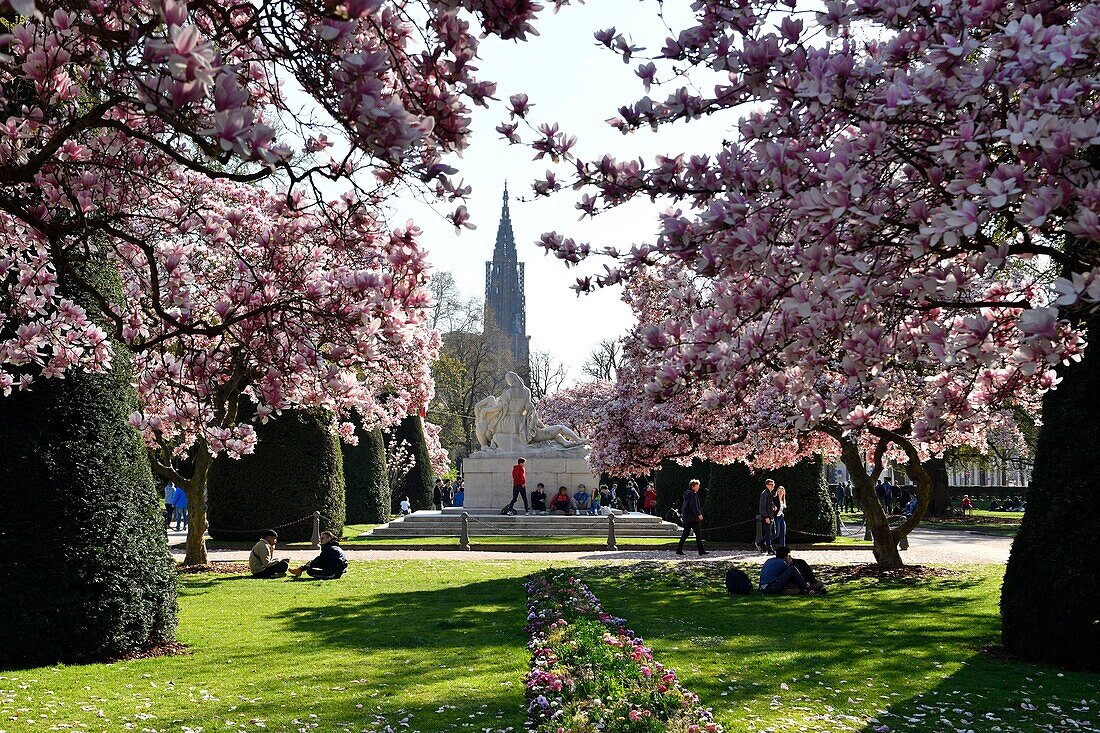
<point x="780" y="536"/>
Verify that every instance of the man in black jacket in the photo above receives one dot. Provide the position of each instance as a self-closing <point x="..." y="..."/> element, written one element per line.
<point x="693" y="517"/>
<point x="767" y="509"/>
<point x="329" y="565"/>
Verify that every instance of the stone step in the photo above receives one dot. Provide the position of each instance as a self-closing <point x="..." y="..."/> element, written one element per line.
<point x="512" y="532"/>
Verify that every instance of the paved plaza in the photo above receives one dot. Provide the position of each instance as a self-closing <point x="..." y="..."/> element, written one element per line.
<point x="926" y="547"/>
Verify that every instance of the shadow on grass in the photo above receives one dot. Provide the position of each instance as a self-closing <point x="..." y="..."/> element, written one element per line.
<point x="867" y="645"/>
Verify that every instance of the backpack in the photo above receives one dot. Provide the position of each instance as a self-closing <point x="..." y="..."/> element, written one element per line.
<point x="506" y="511"/>
<point x="738" y="583"/>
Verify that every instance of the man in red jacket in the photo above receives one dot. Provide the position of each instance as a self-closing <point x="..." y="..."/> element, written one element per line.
<point x="519" y="486"/>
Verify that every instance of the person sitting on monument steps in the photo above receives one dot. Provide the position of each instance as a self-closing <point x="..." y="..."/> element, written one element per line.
<point x="781" y="574"/>
<point x="583" y="499"/>
<point x="538" y="499"/>
<point x="561" y="503"/>
<point x="693" y="517"/>
<point x="329" y="565"/>
<point x="262" y="562"/>
<point x="519" y="486"/>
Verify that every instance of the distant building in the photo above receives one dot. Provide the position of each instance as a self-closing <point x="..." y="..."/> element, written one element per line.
<point x="505" y="305"/>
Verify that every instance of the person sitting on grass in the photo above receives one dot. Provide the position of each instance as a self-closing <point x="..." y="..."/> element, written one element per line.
<point x="262" y="562"/>
<point x="329" y="565"/>
<point x="561" y="503"/>
<point x="780" y="575"/>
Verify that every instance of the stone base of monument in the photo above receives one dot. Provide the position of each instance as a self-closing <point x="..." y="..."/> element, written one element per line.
<point x="488" y="475"/>
<point x="448" y="523"/>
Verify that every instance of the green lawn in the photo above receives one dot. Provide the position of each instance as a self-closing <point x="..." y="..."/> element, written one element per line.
<point x="908" y="654"/>
<point x="440" y="645"/>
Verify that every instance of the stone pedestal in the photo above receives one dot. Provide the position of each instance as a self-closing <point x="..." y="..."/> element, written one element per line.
<point x="488" y="475"/>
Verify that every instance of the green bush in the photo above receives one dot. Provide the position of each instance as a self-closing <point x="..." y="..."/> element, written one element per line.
<point x="365" y="482"/>
<point x="420" y="480"/>
<point x="297" y="469"/>
<point x="1050" y="602"/>
<point x="84" y="565"/>
<point x="734" y="499"/>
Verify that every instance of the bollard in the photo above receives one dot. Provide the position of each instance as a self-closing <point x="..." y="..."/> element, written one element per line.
<point x="866" y="529"/>
<point x="759" y="530"/>
<point x="464" y="538"/>
<point x="611" y="544"/>
<point x="839" y="524"/>
<point x="315" y="541"/>
<point x="904" y="544"/>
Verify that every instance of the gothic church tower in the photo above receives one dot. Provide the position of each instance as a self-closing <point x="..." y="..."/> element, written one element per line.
<point x="505" y="306"/>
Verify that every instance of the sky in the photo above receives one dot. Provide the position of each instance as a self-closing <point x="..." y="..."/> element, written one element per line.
<point x="578" y="84"/>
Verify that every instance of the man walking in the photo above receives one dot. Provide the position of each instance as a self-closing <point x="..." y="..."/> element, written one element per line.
<point x="766" y="511"/>
<point x="693" y="517"/>
<point x="519" y="486"/>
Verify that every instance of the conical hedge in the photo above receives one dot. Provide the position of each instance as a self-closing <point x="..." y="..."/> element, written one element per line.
<point x="419" y="481"/>
<point x="366" y="485"/>
<point x="1050" y="601"/>
<point x="85" y="572"/>
<point x="297" y="469"/>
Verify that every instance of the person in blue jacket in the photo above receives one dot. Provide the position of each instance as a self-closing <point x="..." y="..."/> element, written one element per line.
<point x="329" y="565"/>
<point x="179" y="501"/>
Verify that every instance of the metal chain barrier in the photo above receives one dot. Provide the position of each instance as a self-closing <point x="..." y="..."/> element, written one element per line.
<point x="261" y="529"/>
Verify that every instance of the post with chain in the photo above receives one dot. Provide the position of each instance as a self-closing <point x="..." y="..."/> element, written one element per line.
<point x="611" y="543"/>
<point x="759" y="531"/>
<point x="315" y="540"/>
<point x="904" y="543"/>
<point x="464" y="538"/>
<point x="866" y="528"/>
<point x="839" y="524"/>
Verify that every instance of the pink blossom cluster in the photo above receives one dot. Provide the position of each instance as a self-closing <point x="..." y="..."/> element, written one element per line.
<point x="897" y="244"/>
<point x="441" y="460"/>
<point x="309" y="314"/>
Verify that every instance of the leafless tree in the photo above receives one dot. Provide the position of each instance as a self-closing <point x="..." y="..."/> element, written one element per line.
<point x="547" y="374"/>
<point x="603" y="362"/>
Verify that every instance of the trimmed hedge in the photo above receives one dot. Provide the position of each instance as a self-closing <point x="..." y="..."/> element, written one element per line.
<point x="734" y="499"/>
<point x="366" y="485"/>
<point x="420" y="480"/>
<point x="84" y="565"/>
<point x="671" y="481"/>
<point x="1050" y="601"/>
<point x="297" y="469"/>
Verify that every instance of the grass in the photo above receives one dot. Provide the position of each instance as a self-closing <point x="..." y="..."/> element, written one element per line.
<point x="440" y="644"/>
<point x="905" y="654"/>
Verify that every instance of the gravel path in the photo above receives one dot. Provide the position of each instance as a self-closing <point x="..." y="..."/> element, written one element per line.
<point x="926" y="547"/>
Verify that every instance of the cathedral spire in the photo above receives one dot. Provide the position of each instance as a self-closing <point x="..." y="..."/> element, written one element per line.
<point x="505" y="306"/>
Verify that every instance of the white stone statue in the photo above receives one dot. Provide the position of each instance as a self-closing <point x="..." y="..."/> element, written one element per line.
<point x="510" y="422"/>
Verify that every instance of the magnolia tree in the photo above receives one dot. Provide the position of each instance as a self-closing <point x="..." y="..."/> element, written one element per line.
<point x="99" y="98"/>
<point x="314" y="315"/>
<point x="141" y="130"/>
<point x="900" y="240"/>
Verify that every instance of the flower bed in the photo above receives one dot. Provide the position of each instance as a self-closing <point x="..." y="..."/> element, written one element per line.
<point x="590" y="673"/>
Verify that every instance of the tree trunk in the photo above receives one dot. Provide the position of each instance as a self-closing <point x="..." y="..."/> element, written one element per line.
<point x="195" y="549"/>
<point x="885" y="545"/>
<point x="940" y="500"/>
